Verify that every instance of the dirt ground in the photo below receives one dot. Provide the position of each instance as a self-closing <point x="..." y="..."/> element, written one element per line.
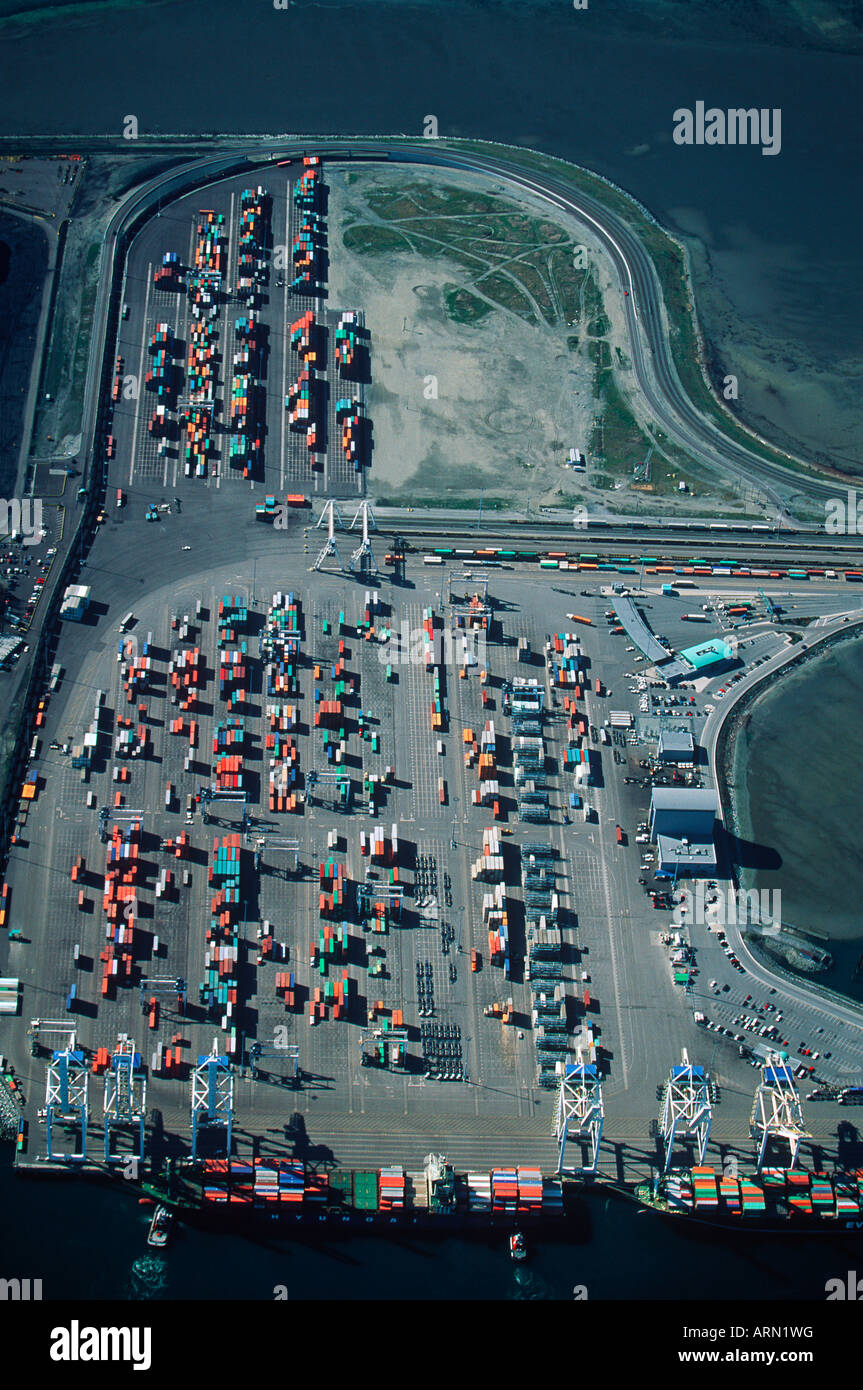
<point x="461" y="408"/>
<point x="457" y="408"/>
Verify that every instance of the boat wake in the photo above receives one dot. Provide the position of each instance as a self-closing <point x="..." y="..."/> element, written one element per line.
<point x="148" y="1278"/>
<point x="528" y="1285"/>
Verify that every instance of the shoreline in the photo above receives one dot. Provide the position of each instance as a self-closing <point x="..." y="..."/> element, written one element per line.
<point x="734" y="804"/>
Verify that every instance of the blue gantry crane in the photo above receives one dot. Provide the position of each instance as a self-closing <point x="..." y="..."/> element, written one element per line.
<point x="579" y="1111"/>
<point x="212" y="1099"/>
<point x="66" y="1101"/>
<point x="125" y="1103"/>
<point x="686" y="1107"/>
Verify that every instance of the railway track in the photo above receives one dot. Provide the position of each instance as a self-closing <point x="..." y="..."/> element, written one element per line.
<point x="759" y="558"/>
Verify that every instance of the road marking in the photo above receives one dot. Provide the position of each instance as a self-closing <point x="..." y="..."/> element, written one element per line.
<point x="230" y="258"/>
<point x="285" y="338"/>
<point x="140" y="375"/>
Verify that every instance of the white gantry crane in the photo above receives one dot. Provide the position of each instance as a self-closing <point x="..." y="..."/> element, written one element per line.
<point x="276" y="844"/>
<point x="364" y="555"/>
<point x="212" y="1098"/>
<point x="686" y="1108"/>
<point x="66" y="1101"/>
<point x="330" y="514"/>
<point x="125" y="1103"/>
<point x="776" y="1110"/>
<point x="579" y="1111"/>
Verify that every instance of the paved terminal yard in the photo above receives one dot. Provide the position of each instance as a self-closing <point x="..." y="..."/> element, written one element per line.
<point x="616" y="973"/>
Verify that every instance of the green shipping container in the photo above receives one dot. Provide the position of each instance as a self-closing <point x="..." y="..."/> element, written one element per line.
<point x="366" y="1191"/>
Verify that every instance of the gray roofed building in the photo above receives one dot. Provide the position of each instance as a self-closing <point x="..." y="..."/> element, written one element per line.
<point x="684" y="813"/>
<point x="676" y="747"/>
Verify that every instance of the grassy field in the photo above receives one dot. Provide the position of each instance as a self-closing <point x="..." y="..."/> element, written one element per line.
<point x="450" y="504"/>
<point x="508" y="259"/>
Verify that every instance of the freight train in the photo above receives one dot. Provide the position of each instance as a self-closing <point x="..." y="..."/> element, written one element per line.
<point x="582" y="561"/>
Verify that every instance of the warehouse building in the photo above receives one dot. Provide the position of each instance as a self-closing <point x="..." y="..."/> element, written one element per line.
<point x="676" y="748"/>
<point x="682" y="824"/>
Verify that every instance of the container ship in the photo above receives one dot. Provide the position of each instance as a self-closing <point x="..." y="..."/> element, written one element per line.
<point x="224" y="1192"/>
<point x="778" y="1199"/>
<point x="221" y="1192"/>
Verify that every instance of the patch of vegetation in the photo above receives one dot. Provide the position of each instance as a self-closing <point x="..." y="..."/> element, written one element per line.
<point x="572" y="344"/>
<point x="482" y="234"/>
<point x="464" y="307"/>
<point x="623" y="443"/>
<point x="364" y="238"/>
<point x="600" y="353"/>
<point x="452" y="504"/>
<point x="69" y="349"/>
<point x="535" y="286"/>
<point x="504" y="292"/>
<point x="599" y="327"/>
<point x="419" y="199"/>
<point x="568" y="282"/>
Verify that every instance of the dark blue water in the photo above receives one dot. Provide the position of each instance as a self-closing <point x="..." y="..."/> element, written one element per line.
<point x="790" y="800"/>
<point x="775" y="240"/>
<point x="618" y="1253"/>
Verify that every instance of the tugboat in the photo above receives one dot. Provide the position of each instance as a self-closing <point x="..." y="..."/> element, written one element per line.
<point x="160" y="1227"/>
<point x="517" y="1246"/>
